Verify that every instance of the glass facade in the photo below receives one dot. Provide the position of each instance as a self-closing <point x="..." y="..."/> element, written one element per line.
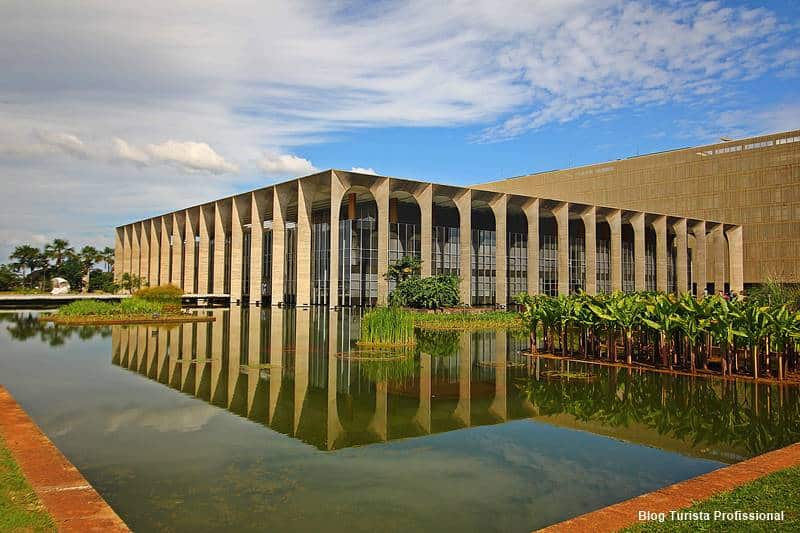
<point x="603" y="266"/>
<point x="444" y="248"/>
<point x="672" y="273"/>
<point x="517" y="273"/>
<point x="577" y="264"/>
<point x="290" y="264"/>
<point x="404" y="240"/>
<point x="484" y="271"/>
<point x="320" y="263"/>
<point x="358" y="264"/>
<point x="246" y="254"/>
<point x="548" y="264"/>
<point x="628" y="270"/>
<point x="650" y="276"/>
<point x="266" y="266"/>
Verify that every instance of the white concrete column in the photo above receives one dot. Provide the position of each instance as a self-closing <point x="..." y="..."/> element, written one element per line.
<point x="205" y="227"/>
<point x="166" y="253"/>
<point x="305" y="200"/>
<point x="719" y="258"/>
<point x="221" y="216"/>
<point x="614" y="220"/>
<point x="699" y="256"/>
<point x="531" y="210"/>
<point x="561" y="213"/>
<point x="380" y="190"/>
<point x="258" y="206"/>
<point x="135" y="250"/>
<point x="127" y="247"/>
<point x="463" y="201"/>
<point x="660" y="227"/>
<point x="681" y="256"/>
<point x="155" y="234"/>
<point x="589" y="218"/>
<point x="191" y="220"/>
<point x="735" y="249"/>
<point x="464" y="406"/>
<point x="119" y="253"/>
<point x="424" y="198"/>
<point x="144" y="250"/>
<point x="637" y="222"/>
<point x="178" y="227"/>
<point x="338" y="188"/>
<point x="301" y="363"/>
<point x="499" y="405"/>
<point x="280" y="204"/>
<point x="423" y="416"/>
<point x="500" y="210"/>
<point x="240" y="214"/>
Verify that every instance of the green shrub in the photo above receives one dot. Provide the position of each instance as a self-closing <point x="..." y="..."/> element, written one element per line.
<point x="162" y="293"/>
<point x="426" y="293"/>
<point x="388" y="326"/>
<point x="139" y="306"/>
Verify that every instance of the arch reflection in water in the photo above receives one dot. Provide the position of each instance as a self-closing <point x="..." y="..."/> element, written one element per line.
<point x="300" y="373"/>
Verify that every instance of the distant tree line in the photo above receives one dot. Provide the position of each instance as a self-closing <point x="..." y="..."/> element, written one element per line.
<point x="32" y="268"/>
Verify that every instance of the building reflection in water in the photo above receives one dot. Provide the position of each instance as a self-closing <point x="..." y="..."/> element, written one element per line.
<point x="301" y="373"/>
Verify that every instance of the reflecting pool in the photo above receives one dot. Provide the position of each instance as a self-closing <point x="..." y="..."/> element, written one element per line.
<point x="276" y="419"/>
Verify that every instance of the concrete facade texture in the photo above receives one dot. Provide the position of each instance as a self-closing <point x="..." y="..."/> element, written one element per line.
<point x="753" y="183"/>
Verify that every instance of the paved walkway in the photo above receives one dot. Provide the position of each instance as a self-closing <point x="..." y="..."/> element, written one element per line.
<point x="70" y="499"/>
<point x="680" y="495"/>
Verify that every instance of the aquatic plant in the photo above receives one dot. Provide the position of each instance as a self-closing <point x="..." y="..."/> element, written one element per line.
<point x="387" y="326"/>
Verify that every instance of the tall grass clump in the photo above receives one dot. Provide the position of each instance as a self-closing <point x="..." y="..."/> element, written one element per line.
<point x="128" y="306"/>
<point x="387" y="326"/>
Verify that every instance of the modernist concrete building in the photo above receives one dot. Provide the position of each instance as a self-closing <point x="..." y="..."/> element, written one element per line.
<point x="328" y="238"/>
<point x="753" y="183"/>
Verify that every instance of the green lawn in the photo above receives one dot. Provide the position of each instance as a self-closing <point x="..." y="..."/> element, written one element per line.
<point x="20" y="509"/>
<point x="776" y="492"/>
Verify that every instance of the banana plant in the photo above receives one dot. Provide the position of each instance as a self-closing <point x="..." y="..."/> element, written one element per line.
<point x="724" y="316"/>
<point x="784" y="326"/>
<point x="662" y="316"/>
<point x="755" y="323"/>
<point x="626" y="313"/>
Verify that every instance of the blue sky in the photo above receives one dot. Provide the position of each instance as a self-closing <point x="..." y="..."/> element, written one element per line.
<point x="114" y="112"/>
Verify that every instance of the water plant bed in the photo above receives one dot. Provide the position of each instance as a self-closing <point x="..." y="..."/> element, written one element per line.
<point x="114" y="320"/>
<point x="459" y="320"/>
<point x="792" y="378"/>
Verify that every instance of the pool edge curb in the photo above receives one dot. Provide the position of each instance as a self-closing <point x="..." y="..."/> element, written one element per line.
<point x="679" y="495"/>
<point x="70" y="499"/>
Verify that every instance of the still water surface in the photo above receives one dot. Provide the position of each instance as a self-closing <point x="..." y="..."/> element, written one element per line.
<point x="271" y="419"/>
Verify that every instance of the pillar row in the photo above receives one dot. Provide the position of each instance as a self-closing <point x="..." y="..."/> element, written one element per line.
<point x="279" y="208"/>
<point x="144" y="250"/>
<point x="135" y="251"/>
<point x="204" y="227"/>
<point x="220" y="213"/>
<point x="178" y="227"/>
<point x="531" y="210"/>
<point x="119" y="253"/>
<point x="380" y="190"/>
<point x="188" y="263"/>
<point x="240" y="208"/>
<point x="337" y="193"/>
<point x="257" y="210"/>
<point x="127" y="246"/>
<point x="719" y="257"/>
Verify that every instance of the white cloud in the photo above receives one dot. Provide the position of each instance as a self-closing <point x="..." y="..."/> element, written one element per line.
<point x="190" y="156"/>
<point x="285" y="165"/>
<point x="362" y="170"/>
<point x="172" y="92"/>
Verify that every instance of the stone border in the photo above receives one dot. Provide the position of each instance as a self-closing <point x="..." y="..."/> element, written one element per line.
<point x="72" y="502"/>
<point x="680" y="495"/>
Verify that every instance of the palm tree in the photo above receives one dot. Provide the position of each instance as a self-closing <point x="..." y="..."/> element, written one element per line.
<point x="107" y="257"/>
<point x="58" y="251"/>
<point x="25" y="256"/>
